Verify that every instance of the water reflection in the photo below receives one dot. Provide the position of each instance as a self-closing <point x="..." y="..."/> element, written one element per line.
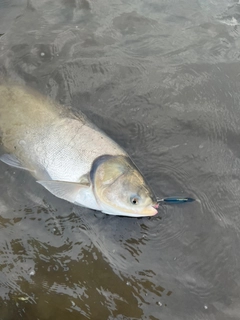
<point x="54" y="268"/>
<point x="162" y="79"/>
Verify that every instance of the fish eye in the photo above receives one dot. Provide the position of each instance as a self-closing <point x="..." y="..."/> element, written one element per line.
<point x="134" y="200"/>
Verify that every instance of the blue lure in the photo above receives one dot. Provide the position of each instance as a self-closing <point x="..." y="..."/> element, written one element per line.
<point x="176" y="200"/>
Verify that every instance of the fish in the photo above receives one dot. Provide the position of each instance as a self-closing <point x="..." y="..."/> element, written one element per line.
<point x="69" y="156"/>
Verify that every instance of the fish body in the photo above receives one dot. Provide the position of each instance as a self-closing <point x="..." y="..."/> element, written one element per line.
<point x="70" y="156"/>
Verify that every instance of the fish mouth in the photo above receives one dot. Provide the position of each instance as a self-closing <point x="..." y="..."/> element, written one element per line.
<point x="151" y="210"/>
<point x="154" y="209"/>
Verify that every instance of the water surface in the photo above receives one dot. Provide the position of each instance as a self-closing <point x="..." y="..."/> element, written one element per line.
<point x="162" y="78"/>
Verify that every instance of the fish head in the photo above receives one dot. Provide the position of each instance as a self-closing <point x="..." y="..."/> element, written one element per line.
<point x="120" y="188"/>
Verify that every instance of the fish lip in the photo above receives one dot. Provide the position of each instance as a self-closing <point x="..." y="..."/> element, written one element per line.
<point x="150" y="211"/>
<point x="154" y="211"/>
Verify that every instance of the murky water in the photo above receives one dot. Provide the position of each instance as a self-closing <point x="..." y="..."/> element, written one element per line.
<point x="163" y="79"/>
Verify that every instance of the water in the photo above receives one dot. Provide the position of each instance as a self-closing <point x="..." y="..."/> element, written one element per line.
<point x="162" y="79"/>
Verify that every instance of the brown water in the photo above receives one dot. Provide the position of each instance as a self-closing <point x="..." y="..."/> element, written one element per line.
<point x="162" y="78"/>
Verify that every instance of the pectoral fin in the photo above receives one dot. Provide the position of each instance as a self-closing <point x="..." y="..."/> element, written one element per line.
<point x="62" y="189"/>
<point x="75" y="192"/>
<point x="85" y="179"/>
<point x="12" y="161"/>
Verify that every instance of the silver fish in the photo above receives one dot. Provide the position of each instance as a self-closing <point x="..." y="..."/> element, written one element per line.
<point x="69" y="156"/>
